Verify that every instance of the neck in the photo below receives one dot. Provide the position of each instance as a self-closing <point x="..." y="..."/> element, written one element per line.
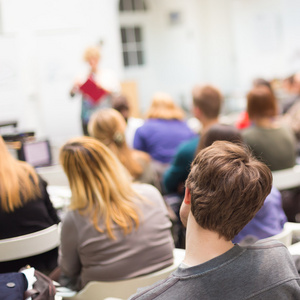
<point x="206" y="123"/>
<point x="265" y="122"/>
<point x="203" y="245"/>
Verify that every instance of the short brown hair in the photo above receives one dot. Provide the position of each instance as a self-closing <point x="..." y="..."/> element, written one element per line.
<point x="228" y="186"/>
<point x="208" y="99"/>
<point x="261" y="103"/>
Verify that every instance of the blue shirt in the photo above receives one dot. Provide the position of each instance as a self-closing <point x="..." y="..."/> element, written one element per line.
<point x="160" y="138"/>
<point x="180" y="166"/>
<point x="268" y="221"/>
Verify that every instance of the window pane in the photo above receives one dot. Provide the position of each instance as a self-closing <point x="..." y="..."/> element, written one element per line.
<point x="140" y="57"/>
<point x="130" y="36"/>
<point x="138" y="34"/>
<point x="125" y="59"/>
<point x="123" y="35"/>
<point x="138" y="5"/>
<point x="132" y="56"/>
<point x="127" y="5"/>
<point x="121" y="5"/>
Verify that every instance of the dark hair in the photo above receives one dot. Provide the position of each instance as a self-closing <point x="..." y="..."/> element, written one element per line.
<point x="219" y="132"/>
<point x="208" y="99"/>
<point x="261" y="103"/>
<point x="228" y="186"/>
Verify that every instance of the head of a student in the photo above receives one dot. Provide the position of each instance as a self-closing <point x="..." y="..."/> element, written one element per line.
<point x="92" y="56"/>
<point x="100" y="185"/>
<point x="227" y="187"/>
<point x="108" y="126"/>
<point x="261" y="103"/>
<point x="207" y="101"/>
<point x="121" y="104"/>
<point x="19" y="182"/>
<point x="220" y="132"/>
<point x="163" y="107"/>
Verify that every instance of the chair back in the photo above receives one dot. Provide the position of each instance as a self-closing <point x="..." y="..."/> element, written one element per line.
<point x="287" y="179"/>
<point x="99" y="290"/>
<point x="284" y="237"/>
<point x="30" y="244"/>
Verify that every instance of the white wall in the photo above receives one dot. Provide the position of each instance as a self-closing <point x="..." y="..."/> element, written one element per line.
<point x="41" y="48"/>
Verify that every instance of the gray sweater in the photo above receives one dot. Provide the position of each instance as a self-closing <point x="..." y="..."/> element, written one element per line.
<point x="92" y="255"/>
<point x="262" y="271"/>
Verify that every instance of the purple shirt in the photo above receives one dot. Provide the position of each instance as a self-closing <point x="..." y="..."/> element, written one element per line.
<point x="268" y="221"/>
<point x="160" y="138"/>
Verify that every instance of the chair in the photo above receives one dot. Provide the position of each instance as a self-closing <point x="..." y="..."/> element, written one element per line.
<point x="54" y="175"/>
<point x="99" y="290"/>
<point x="284" y="237"/>
<point x="30" y="244"/>
<point x="287" y="179"/>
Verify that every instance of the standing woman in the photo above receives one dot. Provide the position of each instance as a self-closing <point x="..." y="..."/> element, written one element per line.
<point x="25" y="208"/>
<point x="115" y="229"/>
<point x="103" y="78"/>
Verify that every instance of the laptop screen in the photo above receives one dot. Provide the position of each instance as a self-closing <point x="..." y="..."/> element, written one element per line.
<point x="37" y="153"/>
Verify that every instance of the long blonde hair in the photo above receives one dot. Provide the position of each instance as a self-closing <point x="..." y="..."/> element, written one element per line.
<point x="19" y="183"/>
<point x="100" y="185"/>
<point x="108" y="126"/>
<point x="163" y="107"/>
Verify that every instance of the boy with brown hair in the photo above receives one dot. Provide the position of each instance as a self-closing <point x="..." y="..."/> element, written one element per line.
<point x="224" y="190"/>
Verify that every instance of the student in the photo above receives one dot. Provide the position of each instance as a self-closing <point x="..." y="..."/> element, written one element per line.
<point x="115" y="229"/>
<point x="25" y="207"/>
<point x="207" y="102"/>
<point x="273" y="144"/>
<point x="224" y="190"/>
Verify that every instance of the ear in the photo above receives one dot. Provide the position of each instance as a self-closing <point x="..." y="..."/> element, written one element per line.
<point x="187" y="196"/>
<point x="197" y="112"/>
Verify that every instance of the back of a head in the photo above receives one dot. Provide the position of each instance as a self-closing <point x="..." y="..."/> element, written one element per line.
<point x="163" y="107"/>
<point x="121" y="104"/>
<point x="220" y="132"/>
<point x="19" y="182"/>
<point x="228" y="186"/>
<point x="261" y="103"/>
<point x="100" y="185"/>
<point x="87" y="163"/>
<point x="208" y="99"/>
<point x="108" y="126"/>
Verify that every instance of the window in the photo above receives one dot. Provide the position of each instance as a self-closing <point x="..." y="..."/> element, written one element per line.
<point x="132" y="5"/>
<point x="132" y="44"/>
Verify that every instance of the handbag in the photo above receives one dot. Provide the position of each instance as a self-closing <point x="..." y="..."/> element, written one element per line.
<point x="43" y="288"/>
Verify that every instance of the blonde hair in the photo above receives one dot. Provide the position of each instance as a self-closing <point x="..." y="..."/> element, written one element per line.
<point x="108" y="126"/>
<point x="19" y="183"/>
<point x="100" y="185"/>
<point x="91" y="52"/>
<point x="163" y="107"/>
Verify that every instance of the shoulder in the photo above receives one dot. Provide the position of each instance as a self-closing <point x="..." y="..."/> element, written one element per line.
<point x="146" y="190"/>
<point x="188" y="148"/>
<point x="155" y="290"/>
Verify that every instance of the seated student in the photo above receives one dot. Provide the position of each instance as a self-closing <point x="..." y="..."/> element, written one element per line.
<point x="25" y="207"/>
<point x="163" y="131"/>
<point x="207" y="102"/>
<point x="270" y="219"/>
<point x="115" y="229"/>
<point x="273" y="144"/>
<point x="108" y="126"/>
<point x="121" y="104"/>
<point x="224" y="190"/>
